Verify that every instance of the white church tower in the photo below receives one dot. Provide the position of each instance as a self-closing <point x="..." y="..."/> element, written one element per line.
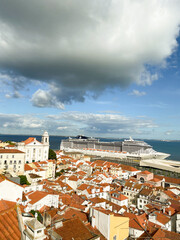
<point x="45" y="138"/>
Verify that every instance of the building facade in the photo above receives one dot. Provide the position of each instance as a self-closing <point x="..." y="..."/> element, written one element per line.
<point x="35" y="151"/>
<point x="12" y="161"/>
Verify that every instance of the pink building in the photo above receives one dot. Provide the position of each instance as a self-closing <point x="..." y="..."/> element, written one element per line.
<point x="145" y="176"/>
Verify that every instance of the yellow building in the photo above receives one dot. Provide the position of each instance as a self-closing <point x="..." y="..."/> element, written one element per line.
<point x="119" y="227"/>
<point x="112" y="225"/>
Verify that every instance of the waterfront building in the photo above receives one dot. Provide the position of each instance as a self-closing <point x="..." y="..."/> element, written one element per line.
<point x="35" y="151"/>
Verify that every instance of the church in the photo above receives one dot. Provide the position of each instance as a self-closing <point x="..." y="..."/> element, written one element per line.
<point x="34" y="150"/>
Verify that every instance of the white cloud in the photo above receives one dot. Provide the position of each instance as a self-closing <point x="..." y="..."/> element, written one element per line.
<point x="14" y="94"/>
<point x="62" y="128"/>
<point x="43" y="98"/>
<point x="103" y="124"/>
<point x="137" y="93"/>
<point x="83" y="46"/>
<point x="169" y="132"/>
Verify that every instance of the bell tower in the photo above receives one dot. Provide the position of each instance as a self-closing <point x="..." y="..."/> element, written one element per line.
<point x="45" y="138"/>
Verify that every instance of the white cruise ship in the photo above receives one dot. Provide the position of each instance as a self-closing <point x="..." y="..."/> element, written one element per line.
<point x="121" y="149"/>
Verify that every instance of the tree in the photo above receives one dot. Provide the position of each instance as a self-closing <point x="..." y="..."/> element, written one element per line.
<point x="52" y="154"/>
<point x="10" y="143"/>
<point x="23" y="180"/>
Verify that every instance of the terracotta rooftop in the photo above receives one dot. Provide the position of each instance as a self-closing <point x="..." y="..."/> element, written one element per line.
<point x="72" y="213"/>
<point x="10" y="151"/>
<point x="145" y="191"/>
<point x="158" y="233"/>
<point x="137" y="222"/>
<point x="73" y="178"/>
<point x="4" y="204"/>
<point x="29" y="140"/>
<point x="120" y="197"/>
<point x="9" y="226"/>
<point x="96" y="231"/>
<point x="36" y="196"/>
<point x="162" y="218"/>
<point x="75" y="229"/>
<point x="27" y="167"/>
<point x="169" y="179"/>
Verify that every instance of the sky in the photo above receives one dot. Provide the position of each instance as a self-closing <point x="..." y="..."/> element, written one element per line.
<point x="101" y="68"/>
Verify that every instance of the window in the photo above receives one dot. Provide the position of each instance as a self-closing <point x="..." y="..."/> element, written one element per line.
<point x="39" y="231"/>
<point x="12" y="156"/>
<point x="140" y="201"/>
<point x="5" y="162"/>
<point x="14" y="161"/>
<point x="10" y="162"/>
<point x="142" y="179"/>
<point x="114" y="238"/>
<point x="1" y="156"/>
<point x="19" y="161"/>
<point x="140" y="206"/>
<point x="30" y="229"/>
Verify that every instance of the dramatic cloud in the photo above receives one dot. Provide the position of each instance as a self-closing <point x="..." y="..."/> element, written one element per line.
<point x="137" y="93"/>
<point x="79" y="48"/>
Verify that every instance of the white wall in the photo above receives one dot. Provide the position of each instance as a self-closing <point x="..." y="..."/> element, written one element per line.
<point x="10" y="191"/>
<point x="101" y="221"/>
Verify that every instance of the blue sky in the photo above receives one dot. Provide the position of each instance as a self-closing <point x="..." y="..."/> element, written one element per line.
<point x="99" y="68"/>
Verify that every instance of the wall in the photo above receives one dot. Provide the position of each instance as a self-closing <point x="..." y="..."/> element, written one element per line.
<point x="119" y="227"/>
<point x="10" y="191"/>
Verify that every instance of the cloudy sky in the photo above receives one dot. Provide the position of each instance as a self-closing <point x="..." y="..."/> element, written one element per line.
<point x="103" y="68"/>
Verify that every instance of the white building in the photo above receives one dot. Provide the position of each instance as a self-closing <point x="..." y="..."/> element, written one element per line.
<point x="9" y="190"/>
<point x="36" y="200"/>
<point x="162" y="220"/>
<point x="119" y="199"/>
<point x="34" y="230"/>
<point x="178" y="223"/>
<point x="35" y="151"/>
<point x="12" y="160"/>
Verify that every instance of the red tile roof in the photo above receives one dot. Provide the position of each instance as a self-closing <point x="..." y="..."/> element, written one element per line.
<point x="72" y="213"/>
<point x="9" y="226"/>
<point x="29" y="140"/>
<point x="136" y="222"/>
<point x="74" y="229"/>
<point x="10" y="151"/>
<point x="27" y="167"/>
<point x="4" y="205"/>
<point x="168" y="179"/>
<point x="36" y="196"/>
<point x="120" y="197"/>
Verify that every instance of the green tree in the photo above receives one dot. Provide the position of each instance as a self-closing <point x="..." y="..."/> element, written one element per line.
<point x="23" y="180"/>
<point x="10" y="143"/>
<point x="52" y="154"/>
<point x="39" y="217"/>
